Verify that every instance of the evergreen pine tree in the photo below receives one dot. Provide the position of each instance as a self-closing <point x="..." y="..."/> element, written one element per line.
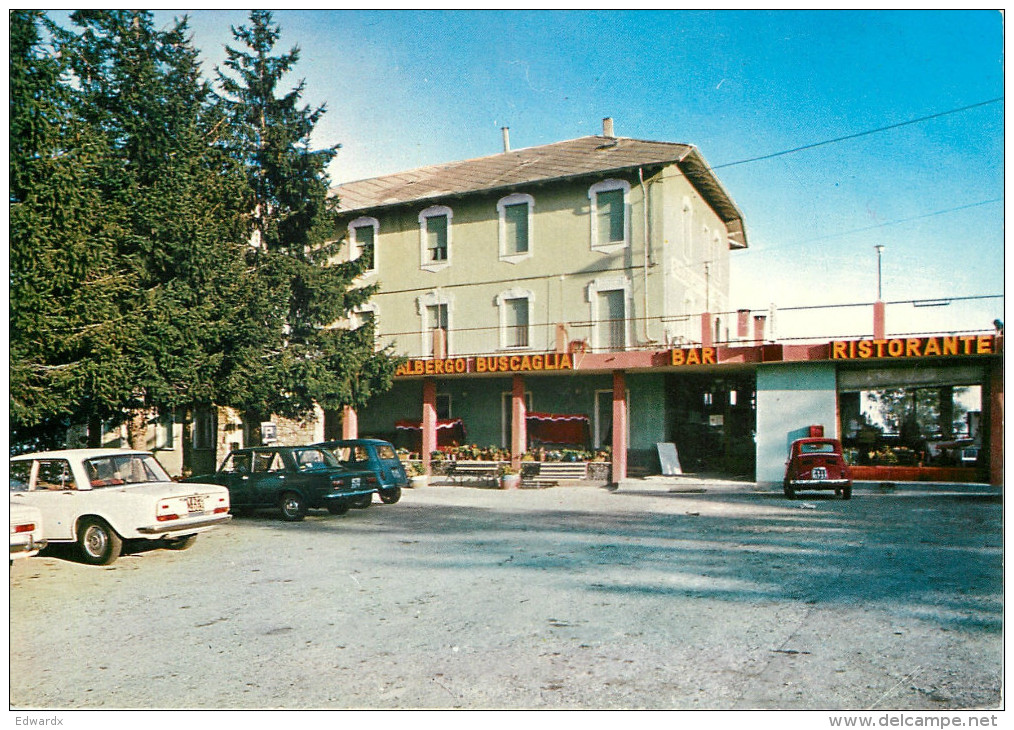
<point x="306" y="359"/>
<point x="182" y="199"/>
<point x="67" y="341"/>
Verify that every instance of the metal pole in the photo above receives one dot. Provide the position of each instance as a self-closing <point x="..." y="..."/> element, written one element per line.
<point x="880" y="248"/>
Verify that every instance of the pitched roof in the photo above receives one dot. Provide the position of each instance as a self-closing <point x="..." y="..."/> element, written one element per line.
<point x="560" y="160"/>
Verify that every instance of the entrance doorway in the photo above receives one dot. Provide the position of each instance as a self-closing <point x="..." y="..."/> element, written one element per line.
<point x="712" y="420"/>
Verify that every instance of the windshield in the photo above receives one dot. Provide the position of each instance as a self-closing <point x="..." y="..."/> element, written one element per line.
<point x="110" y="471"/>
<point x="818" y="448"/>
<point x="313" y="458"/>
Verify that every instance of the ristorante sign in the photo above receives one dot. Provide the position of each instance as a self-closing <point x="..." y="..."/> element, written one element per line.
<point x="915" y="347"/>
<point x="491" y="364"/>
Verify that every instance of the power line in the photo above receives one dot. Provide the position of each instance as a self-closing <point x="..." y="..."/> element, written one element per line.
<point x="858" y="134"/>
<point x="874" y="227"/>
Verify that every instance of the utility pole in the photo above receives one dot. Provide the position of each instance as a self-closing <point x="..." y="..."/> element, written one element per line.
<point x="879" y="314"/>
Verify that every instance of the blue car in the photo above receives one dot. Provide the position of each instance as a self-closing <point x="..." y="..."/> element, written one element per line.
<point x="376" y="456"/>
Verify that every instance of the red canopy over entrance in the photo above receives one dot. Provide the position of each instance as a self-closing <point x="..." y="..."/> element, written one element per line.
<point x="558" y="429"/>
<point x="450" y="432"/>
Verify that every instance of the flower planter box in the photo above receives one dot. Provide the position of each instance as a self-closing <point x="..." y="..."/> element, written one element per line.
<point x="510" y="481"/>
<point x="916" y="474"/>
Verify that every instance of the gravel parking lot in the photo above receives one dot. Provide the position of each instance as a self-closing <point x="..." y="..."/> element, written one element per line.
<point x="558" y="598"/>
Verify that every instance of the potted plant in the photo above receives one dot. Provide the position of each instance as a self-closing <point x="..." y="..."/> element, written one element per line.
<point x="510" y="478"/>
<point x="416" y="476"/>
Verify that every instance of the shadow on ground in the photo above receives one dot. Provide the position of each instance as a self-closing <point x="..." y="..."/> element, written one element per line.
<point x="938" y="558"/>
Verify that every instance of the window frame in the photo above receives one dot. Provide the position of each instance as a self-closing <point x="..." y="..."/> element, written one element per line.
<point x="606" y="186"/>
<point x="165" y="430"/>
<point x="501" y="210"/>
<point x="501" y="300"/>
<point x="204" y="436"/>
<point x="355" y="250"/>
<point x="688" y="230"/>
<point x="434" y="211"/>
<point x="423" y="303"/>
<point x="606" y="284"/>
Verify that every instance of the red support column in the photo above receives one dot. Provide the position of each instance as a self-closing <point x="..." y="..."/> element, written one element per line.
<point x="429" y="422"/>
<point x="350" y="423"/>
<point x="879" y="320"/>
<point x="619" y="426"/>
<point x="561" y="337"/>
<point x="758" y="329"/>
<point x="519" y="427"/>
<point x="996" y="423"/>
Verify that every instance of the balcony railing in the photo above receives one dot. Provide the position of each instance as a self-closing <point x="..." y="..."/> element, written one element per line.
<point x="791" y="325"/>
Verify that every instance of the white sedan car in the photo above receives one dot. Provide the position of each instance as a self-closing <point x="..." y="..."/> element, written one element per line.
<point x="97" y="498"/>
<point x="26" y="531"/>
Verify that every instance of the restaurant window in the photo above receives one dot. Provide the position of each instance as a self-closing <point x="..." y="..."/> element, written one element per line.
<point x="443" y="407"/>
<point x="917" y="425"/>
<point x="507" y="414"/>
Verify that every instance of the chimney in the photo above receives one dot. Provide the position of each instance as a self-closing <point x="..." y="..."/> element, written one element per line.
<point x="607" y="127"/>
<point x="743" y="323"/>
<point x="758" y="329"/>
<point x="506" y="138"/>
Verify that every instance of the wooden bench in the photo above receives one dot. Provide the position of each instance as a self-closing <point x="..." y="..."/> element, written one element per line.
<point x="551" y="473"/>
<point x="473" y="471"/>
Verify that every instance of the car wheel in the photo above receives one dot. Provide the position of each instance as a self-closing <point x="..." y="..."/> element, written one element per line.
<point x="846" y="493"/>
<point x="97" y="542"/>
<point x="362" y="501"/>
<point x="182" y="543"/>
<point x="293" y="507"/>
<point x="390" y="496"/>
<point x="338" y="506"/>
<point x="790" y="493"/>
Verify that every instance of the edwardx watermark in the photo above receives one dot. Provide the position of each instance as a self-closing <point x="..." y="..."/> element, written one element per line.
<point x="25" y="720"/>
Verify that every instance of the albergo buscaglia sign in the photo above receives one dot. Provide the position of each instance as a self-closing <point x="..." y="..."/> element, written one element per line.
<point x="492" y="364"/>
<point x="914" y="347"/>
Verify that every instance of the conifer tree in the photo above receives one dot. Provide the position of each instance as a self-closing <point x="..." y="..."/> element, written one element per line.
<point x="67" y="341"/>
<point x="181" y="200"/>
<point x="305" y="358"/>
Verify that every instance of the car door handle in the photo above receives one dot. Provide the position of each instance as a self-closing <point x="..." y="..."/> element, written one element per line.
<point x="281" y="476"/>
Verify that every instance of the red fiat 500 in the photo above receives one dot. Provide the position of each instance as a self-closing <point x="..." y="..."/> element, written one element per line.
<point x="817" y="463"/>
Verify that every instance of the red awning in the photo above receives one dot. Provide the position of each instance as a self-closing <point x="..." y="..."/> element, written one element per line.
<point x="559" y="429"/>
<point x="533" y="416"/>
<point x="450" y="432"/>
<point x="417" y="425"/>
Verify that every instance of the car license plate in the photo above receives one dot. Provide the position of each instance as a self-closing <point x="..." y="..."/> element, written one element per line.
<point x="355" y="482"/>
<point x="195" y="503"/>
<point x="819" y="473"/>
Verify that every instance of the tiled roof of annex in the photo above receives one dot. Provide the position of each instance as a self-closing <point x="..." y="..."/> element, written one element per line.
<point x="591" y="155"/>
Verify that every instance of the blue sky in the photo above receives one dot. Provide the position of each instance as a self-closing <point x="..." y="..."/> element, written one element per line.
<point x="411" y="88"/>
